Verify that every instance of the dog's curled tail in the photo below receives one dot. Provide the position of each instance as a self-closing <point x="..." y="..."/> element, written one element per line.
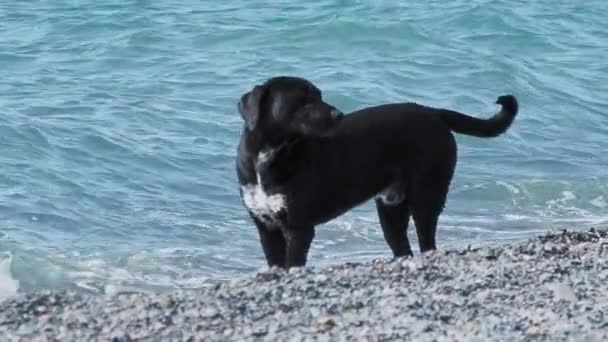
<point x="483" y="128"/>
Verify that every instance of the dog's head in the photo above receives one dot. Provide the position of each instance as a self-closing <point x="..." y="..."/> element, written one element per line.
<point x="289" y="105"/>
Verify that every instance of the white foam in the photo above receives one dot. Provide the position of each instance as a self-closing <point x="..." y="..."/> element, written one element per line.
<point x="598" y="202"/>
<point x="568" y="196"/>
<point x="509" y="187"/>
<point x="8" y="284"/>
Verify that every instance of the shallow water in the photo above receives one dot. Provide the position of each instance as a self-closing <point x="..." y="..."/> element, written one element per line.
<point x="119" y="125"/>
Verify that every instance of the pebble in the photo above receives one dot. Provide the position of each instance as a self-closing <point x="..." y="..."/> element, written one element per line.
<point x="321" y="278"/>
<point x="563" y="292"/>
<point x="552" y="288"/>
<point x="208" y="312"/>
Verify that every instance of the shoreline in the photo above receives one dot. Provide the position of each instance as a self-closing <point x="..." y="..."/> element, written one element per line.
<point x="552" y="287"/>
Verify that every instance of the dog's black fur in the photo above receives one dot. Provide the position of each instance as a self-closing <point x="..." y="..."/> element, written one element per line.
<point x="318" y="164"/>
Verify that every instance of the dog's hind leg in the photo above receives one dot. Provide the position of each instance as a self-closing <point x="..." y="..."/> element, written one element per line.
<point x="273" y="244"/>
<point x="394" y="219"/>
<point x="298" y="241"/>
<point x="427" y="201"/>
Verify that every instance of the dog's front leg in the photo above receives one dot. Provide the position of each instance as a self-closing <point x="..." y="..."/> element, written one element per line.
<point x="298" y="241"/>
<point x="273" y="244"/>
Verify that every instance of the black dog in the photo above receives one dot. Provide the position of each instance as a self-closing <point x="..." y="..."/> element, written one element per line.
<point x="302" y="163"/>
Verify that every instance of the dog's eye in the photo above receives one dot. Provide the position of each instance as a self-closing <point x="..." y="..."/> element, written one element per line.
<point x="313" y="92"/>
<point x="313" y="95"/>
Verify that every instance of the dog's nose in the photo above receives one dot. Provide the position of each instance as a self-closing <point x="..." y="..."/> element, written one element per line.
<point x="336" y="114"/>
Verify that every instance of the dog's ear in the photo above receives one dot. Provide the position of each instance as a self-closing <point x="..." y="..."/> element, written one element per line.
<point x="249" y="106"/>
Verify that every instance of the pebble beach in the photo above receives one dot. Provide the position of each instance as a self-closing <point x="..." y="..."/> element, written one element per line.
<point x="549" y="288"/>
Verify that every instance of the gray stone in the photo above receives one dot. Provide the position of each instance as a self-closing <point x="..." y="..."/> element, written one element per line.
<point x="563" y="292"/>
<point x="550" y="288"/>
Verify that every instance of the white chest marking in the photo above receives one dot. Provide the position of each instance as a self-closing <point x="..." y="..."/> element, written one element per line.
<point x="262" y="205"/>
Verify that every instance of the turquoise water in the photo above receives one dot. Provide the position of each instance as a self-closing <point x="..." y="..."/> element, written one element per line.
<point x="119" y="126"/>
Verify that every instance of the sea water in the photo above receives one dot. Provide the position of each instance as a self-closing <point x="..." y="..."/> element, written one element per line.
<point x="119" y="125"/>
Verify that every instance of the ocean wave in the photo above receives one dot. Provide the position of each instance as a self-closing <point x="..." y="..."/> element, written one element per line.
<point x="8" y="285"/>
<point x="120" y="125"/>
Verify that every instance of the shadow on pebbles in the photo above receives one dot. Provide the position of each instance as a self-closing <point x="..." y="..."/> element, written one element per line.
<point x="553" y="287"/>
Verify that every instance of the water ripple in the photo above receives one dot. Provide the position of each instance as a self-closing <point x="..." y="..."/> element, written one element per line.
<point x="119" y="124"/>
